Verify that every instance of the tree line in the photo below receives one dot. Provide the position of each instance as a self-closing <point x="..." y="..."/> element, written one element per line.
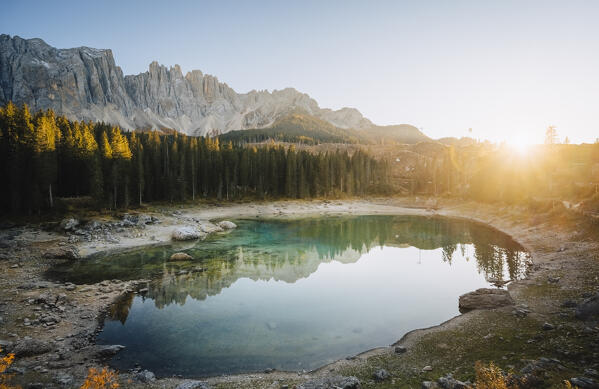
<point x="44" y="156"/>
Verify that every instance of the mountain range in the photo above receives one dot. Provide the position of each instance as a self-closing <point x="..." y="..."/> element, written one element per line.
<point x="84" y="83"/>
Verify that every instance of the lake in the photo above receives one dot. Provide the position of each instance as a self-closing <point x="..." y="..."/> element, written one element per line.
<point x="294" y="294"/>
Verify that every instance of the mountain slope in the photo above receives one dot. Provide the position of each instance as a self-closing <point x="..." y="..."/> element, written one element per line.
<point x="85" y="83"/>
<point x="299" y="127"/>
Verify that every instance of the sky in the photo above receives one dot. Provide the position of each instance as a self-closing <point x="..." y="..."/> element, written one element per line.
<point x="506" y="69"/>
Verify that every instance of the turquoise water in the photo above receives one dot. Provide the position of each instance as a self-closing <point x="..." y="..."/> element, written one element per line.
<point x="294" y="294"/>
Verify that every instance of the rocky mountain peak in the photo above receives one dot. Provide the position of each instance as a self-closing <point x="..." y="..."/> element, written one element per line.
<point x="85" y="83"/>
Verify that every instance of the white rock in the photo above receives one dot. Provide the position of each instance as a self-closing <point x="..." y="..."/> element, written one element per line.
<point x="187" y="233"/>
<point x="226" y="225"/>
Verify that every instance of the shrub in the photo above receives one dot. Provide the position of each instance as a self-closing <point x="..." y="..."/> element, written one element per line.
<point x="102" y="379"/>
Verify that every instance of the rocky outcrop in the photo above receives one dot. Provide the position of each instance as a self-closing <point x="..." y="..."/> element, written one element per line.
<point x="485" y="298"/>
<point x="86" y="84"/>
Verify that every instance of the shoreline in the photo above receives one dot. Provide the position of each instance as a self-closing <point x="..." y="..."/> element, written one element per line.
<point x="98" y="304"/>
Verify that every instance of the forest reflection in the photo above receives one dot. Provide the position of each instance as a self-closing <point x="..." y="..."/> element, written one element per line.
<point x="289" y="250"/>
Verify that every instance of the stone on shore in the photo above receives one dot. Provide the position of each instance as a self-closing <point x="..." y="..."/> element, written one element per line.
<point x="485" y="298"/>
<point x="186" y="233"/>
<point x="226" y="225"/>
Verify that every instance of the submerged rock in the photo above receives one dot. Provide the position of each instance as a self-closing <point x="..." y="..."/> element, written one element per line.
<point x="109" y="350"/>
<point x="187" y="233"/>
<point x="226" y="225"/>
<point x="485" y="298"/>
<point x="181" y="257"/>
<point x="588" y="308"/>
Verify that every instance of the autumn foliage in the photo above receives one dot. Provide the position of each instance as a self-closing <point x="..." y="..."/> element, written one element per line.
<point x="101" y="379"/>
<point x="5" y="362"/>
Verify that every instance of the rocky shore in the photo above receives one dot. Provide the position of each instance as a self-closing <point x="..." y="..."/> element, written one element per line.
<point x="545" y="328"/>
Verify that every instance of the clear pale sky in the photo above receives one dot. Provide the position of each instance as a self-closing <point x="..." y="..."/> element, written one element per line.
<point x="507" y="69"/>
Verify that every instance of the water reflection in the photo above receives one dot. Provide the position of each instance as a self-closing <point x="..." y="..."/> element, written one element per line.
<point x="294" y="294"/>
<point x="285" y="250"/>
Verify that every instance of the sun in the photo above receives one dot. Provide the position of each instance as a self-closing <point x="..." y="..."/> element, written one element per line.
<point x="520" y="144"/>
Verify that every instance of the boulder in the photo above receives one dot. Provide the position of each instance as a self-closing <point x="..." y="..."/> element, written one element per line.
<point x="448" y="382"/>
<point x="485" y="298"/>
<point x="193" y="385"/>
<point x="180" y="257"/>
<point x="226" y="225"/>
<point x="145" y="376"/>
<point x="588" y="308"/>
<point x="69" y="224"/>
<point x="27" y="347"/>
<point x="109" y="350"/>
<point x="209" y="228"/>
<point x="187" y="233"/>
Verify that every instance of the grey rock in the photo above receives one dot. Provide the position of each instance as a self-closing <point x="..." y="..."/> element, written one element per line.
<point x="109" y="350"/>
<point x="584" y="383"/>
<point x="6" y="345"/>
<point x="187" y="233"/>
<point x="226" y="225"/>
<point x="28" y="347"/>
<point x="64" y="379"/>
<point x="193" y="385"/>
<point x="448" y="382"/>
<point x="485" y="298"/>
<point x="548" y="326"/>
<point x="209" y="228"/>
<point x="427" y="368"/>
<point x="400" y="349"/>
<point x="588" y="308"/>
<point x="380" y="375"/>
<point x="69" y="224"/>
<point x="429" y="385"/>
<point x="145" y="376"/>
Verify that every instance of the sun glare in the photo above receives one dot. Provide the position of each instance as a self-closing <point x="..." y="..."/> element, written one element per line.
<point x="520" y="144"/>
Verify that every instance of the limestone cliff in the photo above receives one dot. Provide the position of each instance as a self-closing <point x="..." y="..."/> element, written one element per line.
<point x="86" y="84"/>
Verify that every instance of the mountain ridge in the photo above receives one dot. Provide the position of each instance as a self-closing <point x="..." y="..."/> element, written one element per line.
<point x="85" y="83"/>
